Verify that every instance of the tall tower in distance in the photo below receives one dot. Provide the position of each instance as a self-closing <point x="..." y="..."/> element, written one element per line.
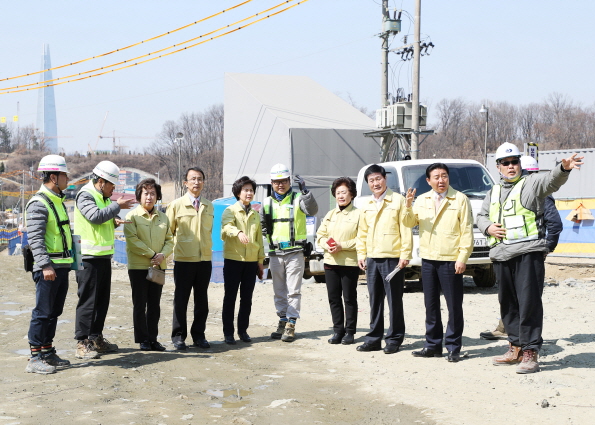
<point x="46" y="106"/>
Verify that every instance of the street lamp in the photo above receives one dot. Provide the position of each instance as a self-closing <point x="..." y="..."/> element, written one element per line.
<point x="485" y="110"/>
<point x="179" y="138"/>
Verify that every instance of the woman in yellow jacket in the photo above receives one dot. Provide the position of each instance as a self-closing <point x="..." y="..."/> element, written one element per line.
<point x="243" y="256"/>
<point x="337" y="235"/>
<point x="149" y="242"/>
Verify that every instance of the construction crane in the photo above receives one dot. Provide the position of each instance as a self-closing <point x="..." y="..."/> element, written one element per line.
<point x="119" y="148"/>
<point x="91" y="150"/>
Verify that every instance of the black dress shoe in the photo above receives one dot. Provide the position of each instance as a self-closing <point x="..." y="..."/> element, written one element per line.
<point x="369" y="347"/>
<point x="426" y="352"/>
<point x="202" y="343"/>
<point x="145" y="346"/>
<point x="180" y="345"/>
<point x="391" y="348"/>
<point x="245" y="337"/>
<point x="335" y="339"/>
<point x="348" y="339"/>
<point x="229" y="339"/>
<point x="156" y="346"/>
<point x="453" y="357"/>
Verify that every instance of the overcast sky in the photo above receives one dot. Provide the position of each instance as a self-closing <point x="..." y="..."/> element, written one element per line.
<point x="517" y="51"/>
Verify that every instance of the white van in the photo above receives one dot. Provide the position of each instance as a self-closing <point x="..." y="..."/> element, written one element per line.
<point x="466" y="176"/>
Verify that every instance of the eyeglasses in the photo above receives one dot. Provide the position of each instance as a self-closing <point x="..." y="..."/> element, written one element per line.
<point x="280" y="182"/>
<point x="196" y="179"/>
<point x="507" y="163"/>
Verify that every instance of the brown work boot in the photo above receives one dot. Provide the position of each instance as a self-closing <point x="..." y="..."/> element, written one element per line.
<point x="280" y="329"/>
<point x="529" y="363"/>
<point x="86" y="350"/>
<point x="512" y="356"/>
<point x="102" y="345"/>
<point x="499" y="333"/>
<point x="289" y="334"/>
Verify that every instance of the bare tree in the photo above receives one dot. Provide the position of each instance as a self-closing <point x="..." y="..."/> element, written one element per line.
<point x="202" y="146"/>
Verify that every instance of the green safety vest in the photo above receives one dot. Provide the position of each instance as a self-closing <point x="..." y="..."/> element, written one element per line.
<point x="96" y="239"/>
<point x="54" y="243"/>
<point x="287" y="221"/>
<point x="519" y="222"/>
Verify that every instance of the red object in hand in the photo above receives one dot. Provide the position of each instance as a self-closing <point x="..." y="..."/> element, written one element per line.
<point x="331" y="242"/>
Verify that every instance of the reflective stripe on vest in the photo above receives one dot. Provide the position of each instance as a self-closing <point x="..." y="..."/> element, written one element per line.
<point x="53" y="238"/>
<point x="519" y="222"/>
<point x="288" y="221"/>
<point x="96" y="239"/>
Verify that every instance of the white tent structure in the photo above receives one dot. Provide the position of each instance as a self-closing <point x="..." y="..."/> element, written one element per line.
<point x="292" y="120"/>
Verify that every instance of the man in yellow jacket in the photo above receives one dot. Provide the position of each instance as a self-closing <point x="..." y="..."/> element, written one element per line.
<point x="445" y="224"/>
<point x="191" y="221"/>
<point x="383" y="243"/>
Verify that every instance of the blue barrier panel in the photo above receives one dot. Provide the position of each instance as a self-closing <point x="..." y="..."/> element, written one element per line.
<point x="217" y="273"/>
<point x="120" y="254"/>
<point x="219" y="205"/>
<point x="12" y="244"/>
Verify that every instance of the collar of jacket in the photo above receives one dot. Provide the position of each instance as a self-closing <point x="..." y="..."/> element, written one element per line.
<point x="508" y="185"/>
<point x="239" y="206"/>
<point x="388" y="197"/>
<point x="450" y="193"/>
<point x="188" y="202"/>
<point x="145" y="213"/>
<point x="346" y="209"/>
<point x="50" y="192"/>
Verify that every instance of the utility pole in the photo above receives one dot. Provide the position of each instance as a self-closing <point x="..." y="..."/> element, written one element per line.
<point x="415" y="99"/>
<point x="386" y="140"/>
<point x="384" y="58"/>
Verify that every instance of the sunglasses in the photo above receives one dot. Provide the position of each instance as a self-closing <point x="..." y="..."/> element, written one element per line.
<point x="507" y="163"/>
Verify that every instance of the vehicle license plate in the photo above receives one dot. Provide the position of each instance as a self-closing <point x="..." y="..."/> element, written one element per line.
<point x="480" y="242"/>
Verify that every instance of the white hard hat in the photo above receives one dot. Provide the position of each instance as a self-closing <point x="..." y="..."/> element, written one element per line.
<point x="529" y="163"/>
<point x="279" y="172"/>
<point x="506" y="150"/>
<point x="54" y="163"/>
<point x="107" y="170"/>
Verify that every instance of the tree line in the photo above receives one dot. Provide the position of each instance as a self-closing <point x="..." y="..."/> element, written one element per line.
<point x="556" y="123"/>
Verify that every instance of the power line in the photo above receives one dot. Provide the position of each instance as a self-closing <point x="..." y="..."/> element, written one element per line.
<point x="43" y="84"/>
<point x="128" y="47"/>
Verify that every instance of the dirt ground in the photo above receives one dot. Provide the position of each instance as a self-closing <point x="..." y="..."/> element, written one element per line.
<point x="308" y="381"/>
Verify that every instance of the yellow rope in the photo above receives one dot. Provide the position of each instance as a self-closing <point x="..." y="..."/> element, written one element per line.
<point x="160" y="56"/>
<point x="128" y="47"/>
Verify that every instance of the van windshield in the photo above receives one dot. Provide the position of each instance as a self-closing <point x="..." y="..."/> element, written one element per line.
<point x="391" y="182"/>
<point x="472" y="180"/>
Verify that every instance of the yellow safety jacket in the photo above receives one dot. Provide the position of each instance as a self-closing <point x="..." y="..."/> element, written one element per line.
<point x="96" y="239"/>
<point x="519" y="222"/>
<point x="287" y="221"/>
<point x="58" y="246"/>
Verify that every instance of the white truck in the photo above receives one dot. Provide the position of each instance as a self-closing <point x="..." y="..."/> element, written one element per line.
<point x="466" y="176"/>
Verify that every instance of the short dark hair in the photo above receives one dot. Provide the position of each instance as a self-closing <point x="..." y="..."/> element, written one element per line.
<point x="147" y="184"/>
<point x="436" y="166"/>
<point x="46" y="175"/>
<point x="374" y="168"/>
<point x="344" y="181"/>
<point x="240" y="183"/>
<point x="198" y="170"/>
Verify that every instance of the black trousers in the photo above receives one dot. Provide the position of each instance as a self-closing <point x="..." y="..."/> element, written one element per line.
<point x="436" y="276"/>
<point x="341" y="283"/>
<point x="190" y="276"/>
<point x="379" y="289"/>
<point x="238" y="275"/>
<point x="94" y="287"/>
<point x="146" y="296"/>
<point x="49" y="303"/>
<point x="520" y="289"/>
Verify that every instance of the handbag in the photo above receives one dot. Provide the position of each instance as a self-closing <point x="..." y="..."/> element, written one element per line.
<point x="156" y="275"/>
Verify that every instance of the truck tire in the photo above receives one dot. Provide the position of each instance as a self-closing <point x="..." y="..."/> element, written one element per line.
<point x="484" y="277"/>
<point x="320" y="278"/>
